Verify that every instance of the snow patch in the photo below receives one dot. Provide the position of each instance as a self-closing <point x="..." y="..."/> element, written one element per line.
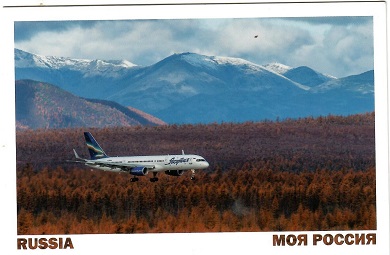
<point x="199" y="60"/>
<point x="277" y="68"/>
<point x="213" y="62"/>
<point x="89" y="67"/>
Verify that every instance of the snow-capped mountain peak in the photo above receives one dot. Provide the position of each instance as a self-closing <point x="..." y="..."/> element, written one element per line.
<point x="89" y="67"/>
<point x="218" y="61"/>
<point x="122" y="63"/>
<point x="277" y="68"/>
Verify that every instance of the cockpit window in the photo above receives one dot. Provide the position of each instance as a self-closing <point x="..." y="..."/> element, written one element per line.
<point x="200" y="159"/>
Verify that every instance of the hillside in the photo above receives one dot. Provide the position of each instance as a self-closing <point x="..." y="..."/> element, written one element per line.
<point x="42" y="105"/>
<point x="307" y="76"/>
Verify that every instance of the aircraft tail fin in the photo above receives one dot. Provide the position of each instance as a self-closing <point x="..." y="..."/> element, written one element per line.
<point x="94" y="148"/>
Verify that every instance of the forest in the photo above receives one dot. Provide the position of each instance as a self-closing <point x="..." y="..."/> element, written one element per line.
<point x="304" y="174"/>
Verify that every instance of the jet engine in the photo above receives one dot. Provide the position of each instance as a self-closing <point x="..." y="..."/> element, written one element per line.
<point x="139" y="171"/>
<point x="174" y="172"/>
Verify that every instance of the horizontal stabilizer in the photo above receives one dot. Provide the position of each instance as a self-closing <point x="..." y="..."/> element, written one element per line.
<point x="78" y="157"/>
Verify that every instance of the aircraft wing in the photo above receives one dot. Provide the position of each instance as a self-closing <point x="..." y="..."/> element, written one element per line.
<point x="111" y="164"/>
<point x="124" y="166"/>
<point x="76" y="161"/>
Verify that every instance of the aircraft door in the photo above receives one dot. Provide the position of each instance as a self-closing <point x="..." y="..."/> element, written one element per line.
<point x="166" y="160"/>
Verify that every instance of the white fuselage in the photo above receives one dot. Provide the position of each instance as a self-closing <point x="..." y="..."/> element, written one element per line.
<point x="152" y="163"/>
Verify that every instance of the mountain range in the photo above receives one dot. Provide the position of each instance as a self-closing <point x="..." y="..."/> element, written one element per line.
<point x="194" y="88"/>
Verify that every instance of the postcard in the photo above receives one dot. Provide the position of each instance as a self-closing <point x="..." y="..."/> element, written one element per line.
<point x="195" y="128"/>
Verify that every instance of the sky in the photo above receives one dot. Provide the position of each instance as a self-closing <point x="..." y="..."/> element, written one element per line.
<point x="337" y="46"/>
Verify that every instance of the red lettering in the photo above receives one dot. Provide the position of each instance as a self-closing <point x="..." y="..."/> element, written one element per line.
<point x="22" y="243"/>
<point x="302" y="238"/>
<point x="347" y="239"/>
<point x="360" y="239"/>
<point x="371" y="238"/>
<point x="316" y="238"/>
<point x="60" y="244"/>
<point x="328" y="239"/>
<point x="337" y="239"/>
<point x="68" y="243"/>
<point x="42" y="243"/>
<point x="291" y="240"/>
<point x="30" y="243"/>
<point x="53" y="243"/>
<point x="279" y="240"/>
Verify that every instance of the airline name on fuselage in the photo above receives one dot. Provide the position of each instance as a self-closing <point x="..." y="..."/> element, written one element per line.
<point x="174" y="161"/>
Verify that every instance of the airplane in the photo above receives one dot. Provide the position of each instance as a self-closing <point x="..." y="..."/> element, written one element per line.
<point x="173" y="165"/>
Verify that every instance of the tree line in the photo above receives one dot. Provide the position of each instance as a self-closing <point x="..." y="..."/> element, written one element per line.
<point x="251" y="198"/>
<point x="331" y="142"/>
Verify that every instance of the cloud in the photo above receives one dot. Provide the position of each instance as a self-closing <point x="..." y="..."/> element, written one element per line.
<point x="25" y="30"/>
<point x="143" y="42"/>
<point x="349" y="48"/>
<point x="258" y="40"/>
<point x="333" y="20"/>
<point x="323" y="43"/>
<point x="342" y="51"/>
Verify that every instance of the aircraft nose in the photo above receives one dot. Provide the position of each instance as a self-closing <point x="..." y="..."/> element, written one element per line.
<point x="206" y="164"/>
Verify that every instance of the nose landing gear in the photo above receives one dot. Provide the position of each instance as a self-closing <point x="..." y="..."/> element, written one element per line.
<point x="192" y="174"/>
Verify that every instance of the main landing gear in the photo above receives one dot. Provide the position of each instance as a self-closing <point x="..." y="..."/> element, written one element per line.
<point x="154" y="179"/>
